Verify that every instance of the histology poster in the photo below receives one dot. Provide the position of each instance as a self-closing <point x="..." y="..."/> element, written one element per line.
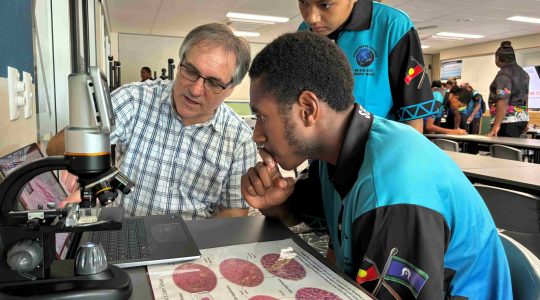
<point x="257" y="271"/>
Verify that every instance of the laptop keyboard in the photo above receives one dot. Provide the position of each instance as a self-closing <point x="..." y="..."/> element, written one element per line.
<point x="128" y="243"/>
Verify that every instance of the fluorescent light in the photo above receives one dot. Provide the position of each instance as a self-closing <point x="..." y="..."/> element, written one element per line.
<point x="425" y="46"/>
<point x="437" y="37"/>
<point x="251" y="21"/>
<point x="250" y="17"/>
<point x="524" y="19"/>
<point x="246" y="33"/>
<point x="460" y="35"/>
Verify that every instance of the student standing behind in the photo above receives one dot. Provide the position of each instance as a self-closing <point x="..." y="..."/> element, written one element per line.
<point x="184" y="149"/>
<point x="508" y="95"/>
<point x="471" y="116"/>
<point x="384" y="51"/>
<point x="146" y="73"/>
<point x="377" y="177"/>
<point x="431" y="123"/>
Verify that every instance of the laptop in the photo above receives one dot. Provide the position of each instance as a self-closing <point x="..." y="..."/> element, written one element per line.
<point x="141" y="241"/>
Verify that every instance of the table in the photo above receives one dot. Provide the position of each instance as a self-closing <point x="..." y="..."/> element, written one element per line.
<point x="510" y="174"/>
<point x="522" y="143"/>
<point x="226" y="232"/>
<point x="535" y="133"/>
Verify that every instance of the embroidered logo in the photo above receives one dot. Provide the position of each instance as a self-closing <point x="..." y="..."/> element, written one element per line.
<point x="405" y="273"/>
<point x="414" y="69"/>
<point x="367" y="272"/>
<point x="363" y="112"/>
<point x="364" y="55"/>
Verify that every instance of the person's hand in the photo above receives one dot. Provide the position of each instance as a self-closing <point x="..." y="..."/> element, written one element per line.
<point x="458" y="131"/>
<point x="74" y="197"/>
<point x="470" y="119"/>
<point x="69" y="181"/>
<point x="71" y="185"/>
<point x="494" y="130"/>
<point x="263" y="186"/>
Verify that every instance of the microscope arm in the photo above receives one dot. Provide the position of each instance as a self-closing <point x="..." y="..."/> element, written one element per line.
<point x="13" y="184"/>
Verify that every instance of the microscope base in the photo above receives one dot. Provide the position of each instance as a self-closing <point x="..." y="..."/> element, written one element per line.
<point x="113" y="283"/>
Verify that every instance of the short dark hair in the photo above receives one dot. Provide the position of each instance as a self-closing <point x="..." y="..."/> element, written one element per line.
<point x="436" y="84"/>
<point x="463" y="94"/>
<point x="505" y="53"/>
<point x="147" y="69"/>
<point x="304" y="61"/>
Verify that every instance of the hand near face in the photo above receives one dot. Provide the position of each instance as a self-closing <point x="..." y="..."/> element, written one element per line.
<point x="263" y="186"/>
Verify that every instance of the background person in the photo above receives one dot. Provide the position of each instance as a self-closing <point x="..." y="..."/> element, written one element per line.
<point x="376" y="178"/>
<point x="432" y="123"/>
<point x="508" y="95"/>
<point x="163" y="75"/>
<point x="146" y="73"/>
<point x="471" y="116"/>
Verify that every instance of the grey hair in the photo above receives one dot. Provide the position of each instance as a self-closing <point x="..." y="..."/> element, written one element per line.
<point x="221" y="35"/>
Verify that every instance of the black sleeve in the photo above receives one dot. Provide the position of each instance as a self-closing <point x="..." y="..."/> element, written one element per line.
<point x="306" y="200"/>
<point x="421" y="236"/>
<point x="409" y="82"/>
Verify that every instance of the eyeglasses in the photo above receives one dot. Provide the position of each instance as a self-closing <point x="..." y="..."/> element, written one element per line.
<point x="209" y="84"/>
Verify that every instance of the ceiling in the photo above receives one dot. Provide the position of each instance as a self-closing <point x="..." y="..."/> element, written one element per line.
<point x="177" y="17"/>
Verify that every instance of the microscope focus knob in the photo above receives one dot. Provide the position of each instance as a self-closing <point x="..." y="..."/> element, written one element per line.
<point x="90" y="259"/>
<point x="25" y="256"/>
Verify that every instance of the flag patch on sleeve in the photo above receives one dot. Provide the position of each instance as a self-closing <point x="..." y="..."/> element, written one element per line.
<point x="405" y="273"/>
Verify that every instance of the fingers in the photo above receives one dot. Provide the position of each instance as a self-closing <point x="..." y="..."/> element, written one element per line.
<point x="269" y="162"/>
<point x="259" y="179"/>
<point x="286" y="185"/>
<point x="69" y="181"/>
<point x="74" y="197"/>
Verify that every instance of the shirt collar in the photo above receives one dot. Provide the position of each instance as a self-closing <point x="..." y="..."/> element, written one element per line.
<point x="216" y="121"/>
<point x="360" y="19"/>
<point x="351" y="154"/>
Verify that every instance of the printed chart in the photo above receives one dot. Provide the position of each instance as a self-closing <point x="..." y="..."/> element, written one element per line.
<point x="258" y="271"/>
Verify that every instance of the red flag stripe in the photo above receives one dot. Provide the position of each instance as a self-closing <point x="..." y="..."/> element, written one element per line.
<point x="416" y="71"/>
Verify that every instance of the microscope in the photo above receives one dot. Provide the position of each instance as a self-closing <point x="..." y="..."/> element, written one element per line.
<point x="28" y="265"/>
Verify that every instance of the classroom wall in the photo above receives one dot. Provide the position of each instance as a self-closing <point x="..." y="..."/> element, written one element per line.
<point x="479" y="60"/>
<point x="15" y="51"/>
<point x="479" y="67"/>
<point x="153" y="52"/>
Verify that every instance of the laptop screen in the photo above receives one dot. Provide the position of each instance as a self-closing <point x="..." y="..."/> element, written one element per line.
<point x="42" y="189"/>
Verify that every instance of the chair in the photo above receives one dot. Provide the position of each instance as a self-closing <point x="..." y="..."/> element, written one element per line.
<point x="524" y="269"/>
<point x="447" y="145"/>
<point x="511" y="210"/>
<point x="505" y="152"/>
<point x="485" y="125"/>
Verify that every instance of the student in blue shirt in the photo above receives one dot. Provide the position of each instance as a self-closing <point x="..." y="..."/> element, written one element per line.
<point x="470" y="117"/>
<point x="384" y="51"/>
<point x="431" y="123"/>
<point x="376" y="181"/>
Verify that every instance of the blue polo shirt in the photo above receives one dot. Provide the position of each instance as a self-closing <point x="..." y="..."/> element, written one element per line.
<point x="384" y="51"/>
<point x="384" y="193"/>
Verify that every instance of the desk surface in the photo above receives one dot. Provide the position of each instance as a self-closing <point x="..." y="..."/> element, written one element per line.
<point x="471" y="161"/>
<point x="516" y="175"/>
<point x="509" y="141"/>
<point x="226" y="232"/>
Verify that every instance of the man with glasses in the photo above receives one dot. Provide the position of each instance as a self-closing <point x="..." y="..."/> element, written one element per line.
<point x="184" y="149"/>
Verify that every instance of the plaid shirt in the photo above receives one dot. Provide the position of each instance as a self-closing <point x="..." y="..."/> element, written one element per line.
<point x="194" y="170"/>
